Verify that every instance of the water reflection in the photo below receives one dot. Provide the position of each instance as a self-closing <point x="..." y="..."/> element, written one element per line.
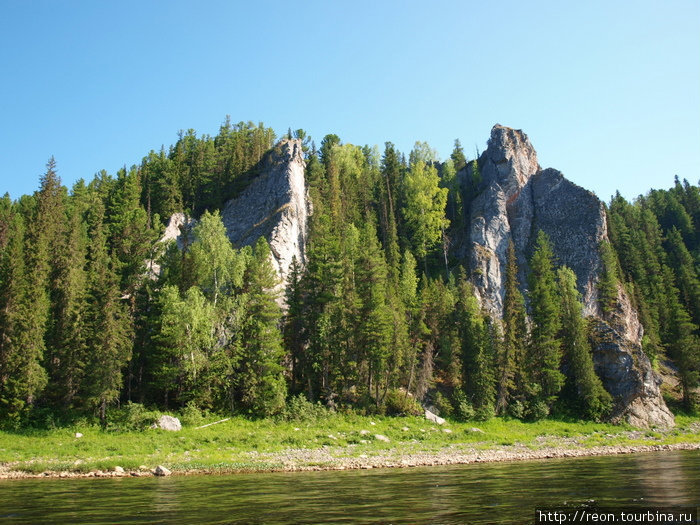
<point x="488" y="493"/>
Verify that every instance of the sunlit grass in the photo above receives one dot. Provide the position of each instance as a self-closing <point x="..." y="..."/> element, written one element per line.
<point x="242" y="444"/>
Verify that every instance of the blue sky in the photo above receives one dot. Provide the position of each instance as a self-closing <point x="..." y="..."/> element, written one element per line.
<point x="607" y="91"/>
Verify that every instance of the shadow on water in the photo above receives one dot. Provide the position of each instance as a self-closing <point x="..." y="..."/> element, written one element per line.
<point x="485" y="493"/>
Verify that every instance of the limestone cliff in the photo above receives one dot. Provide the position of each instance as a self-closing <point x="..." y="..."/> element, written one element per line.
<point x="276" y="206"/>
<point x="517" y="198"/>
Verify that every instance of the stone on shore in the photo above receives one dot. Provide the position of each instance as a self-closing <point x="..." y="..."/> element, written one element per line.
<point x="160" y="470"/>
<point x="434" y="418"/>
<point x="168" y="423"/>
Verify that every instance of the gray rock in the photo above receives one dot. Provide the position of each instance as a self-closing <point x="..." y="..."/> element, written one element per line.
<point x="474" y="429"/>
<point x="118" y="470"/>
<point x="78" y="435"/>
<point x="627" y="374"/>
<point x="517" y="199"/>
<point x="381" y="437"/>
<point x="434" y="418"/>
<point x="275" y="205"/>
<point x="168" y="423"/>
<point x="160" y="470"/>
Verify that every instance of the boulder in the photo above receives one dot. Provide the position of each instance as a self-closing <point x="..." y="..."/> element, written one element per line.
<point x="434" y="417"/>
<point x="160" y="470"/>
<point x="168" y="423"/>
<point x="381" y="437"/>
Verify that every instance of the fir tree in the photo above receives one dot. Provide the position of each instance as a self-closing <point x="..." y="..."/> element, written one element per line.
<point x="545" y="347"/>
<point x="261" y="381"/>
<point x="590" y="394"/>
<point x="511" y="359"/>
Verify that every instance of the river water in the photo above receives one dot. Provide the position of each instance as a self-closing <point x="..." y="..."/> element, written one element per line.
<point x="478" y="493"/>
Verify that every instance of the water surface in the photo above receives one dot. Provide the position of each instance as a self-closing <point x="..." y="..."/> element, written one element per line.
<point x="479" y="493"/>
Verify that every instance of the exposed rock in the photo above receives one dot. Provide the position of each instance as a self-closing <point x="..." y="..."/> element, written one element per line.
<point x="178" y="229"/>
<point x="160" y="470"/>
<point x="118" y="470"/>
<point x="434" y="418"/>
<point x="168" y="423"/>
<point x="381" y="437"/>
<point x="275" y="206"/>
<point x="627" y="374"/>
<point x="516" y="200"/>
<point x="78" y="435"/>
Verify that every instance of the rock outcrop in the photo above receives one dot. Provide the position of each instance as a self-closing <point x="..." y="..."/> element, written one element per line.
<point x="517" y="198"/>
<point x="275" y="206"/>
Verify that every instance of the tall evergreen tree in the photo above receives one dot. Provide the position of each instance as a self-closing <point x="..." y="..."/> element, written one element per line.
<point x="545" y="347"/>
<point x="591" y="395"/>
<point x="262" y="383"/>
<point x="511" y="360"/>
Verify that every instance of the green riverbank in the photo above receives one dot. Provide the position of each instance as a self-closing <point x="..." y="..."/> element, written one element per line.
<point x="338" y="441"/>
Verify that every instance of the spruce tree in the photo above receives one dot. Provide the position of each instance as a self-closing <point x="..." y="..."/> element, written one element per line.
<point x="511" y="359"/>
<point x="261" y="381"/>
<point x="590" y="394"/>
<point x="109" y="344"/>
<point x="22" y="378"/>
<point x="545" y="347"/>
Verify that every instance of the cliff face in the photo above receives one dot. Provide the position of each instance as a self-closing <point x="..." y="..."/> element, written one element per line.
<point x="274" y="206"/>
<point x="517" y="199"/>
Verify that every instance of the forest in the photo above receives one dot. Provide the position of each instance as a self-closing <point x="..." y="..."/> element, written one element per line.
<point x="380" y="318"/>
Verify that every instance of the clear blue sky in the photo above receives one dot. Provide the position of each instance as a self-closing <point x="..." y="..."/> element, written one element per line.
<point x="608" y="92"/>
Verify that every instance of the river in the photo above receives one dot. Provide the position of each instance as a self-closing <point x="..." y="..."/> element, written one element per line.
<point x="477" y="493"/>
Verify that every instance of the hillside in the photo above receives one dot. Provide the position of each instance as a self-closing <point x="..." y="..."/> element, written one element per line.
<point x="366" y="281"/>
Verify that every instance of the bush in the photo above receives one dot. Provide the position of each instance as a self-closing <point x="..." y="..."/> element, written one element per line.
<point x="443" y="405"/>
<point x="536" y="410"/>
<point x="400" y="403"/>
<point x="299" y="408"/>
<point x="463" y="409"/>
<point x="191" y="415"/>
<point x="131" y="416"/>
<point x="516" y="409"/>
<point x="484" y="412"/>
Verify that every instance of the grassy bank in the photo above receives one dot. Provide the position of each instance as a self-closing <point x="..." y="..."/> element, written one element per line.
<point x="335" y="441"/>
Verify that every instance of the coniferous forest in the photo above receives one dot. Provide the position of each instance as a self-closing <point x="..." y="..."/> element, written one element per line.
<point x="380" y="316"/>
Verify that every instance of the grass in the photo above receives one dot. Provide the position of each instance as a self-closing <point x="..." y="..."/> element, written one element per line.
<point x="242" y="444"/>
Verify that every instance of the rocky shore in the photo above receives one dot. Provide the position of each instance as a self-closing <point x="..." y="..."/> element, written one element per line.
<point x="298" y="460"/>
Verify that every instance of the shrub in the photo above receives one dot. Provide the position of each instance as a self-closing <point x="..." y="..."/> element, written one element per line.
<point x="191" y="415"/>
<point x="299" y="408"/>
<point x="463" y="409"/>
<point x="516" y="409"/>
<point x="400" y="403"/>
<point x="442" y="404"/>
<point x="131" y="416"/>
<point x="484" y="412"/>
<point x="536" y="410"/>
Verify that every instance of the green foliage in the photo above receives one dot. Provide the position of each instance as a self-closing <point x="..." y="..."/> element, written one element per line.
<point x="463" y="409"/>
<point x="544" y="357"/>
<point x="424" y="210"/>
<point x="191" y="415"/>
<point x="401" y="403"/>
<point x="595" y="401"/>
<point x="130" y="417"/>
<point x="299" y="408"/>
<point x="442" y="404"/>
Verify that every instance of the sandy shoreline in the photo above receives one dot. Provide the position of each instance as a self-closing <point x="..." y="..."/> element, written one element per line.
<point x="304" y="460"/>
